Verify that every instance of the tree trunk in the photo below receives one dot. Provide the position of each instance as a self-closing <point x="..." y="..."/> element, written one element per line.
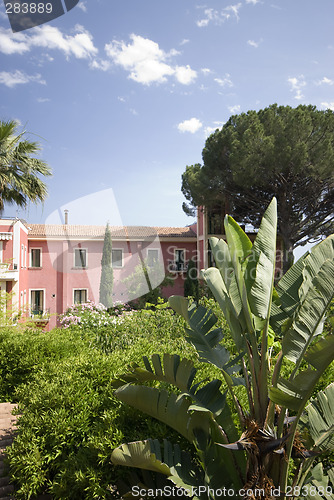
<point x="287" y="256"/>
<point x="284" y="211"/>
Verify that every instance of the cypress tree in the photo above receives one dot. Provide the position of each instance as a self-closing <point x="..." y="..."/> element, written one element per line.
<point x="107" y="275"/>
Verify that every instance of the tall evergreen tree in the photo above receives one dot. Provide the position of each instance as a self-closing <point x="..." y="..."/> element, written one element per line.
<point x="107" y="275"/>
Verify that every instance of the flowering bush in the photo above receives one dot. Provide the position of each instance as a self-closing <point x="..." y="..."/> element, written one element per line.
<point x="120" y="309"/>
<point x="87" y="316"/>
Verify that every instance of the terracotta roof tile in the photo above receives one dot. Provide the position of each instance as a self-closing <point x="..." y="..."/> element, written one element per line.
<point x="117" y="232"/>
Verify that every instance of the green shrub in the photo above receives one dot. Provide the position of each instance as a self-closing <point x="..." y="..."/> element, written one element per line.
<point x="70" y="420"/>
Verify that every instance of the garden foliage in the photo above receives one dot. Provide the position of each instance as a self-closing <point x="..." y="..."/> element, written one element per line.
<point x="69" y="419"/>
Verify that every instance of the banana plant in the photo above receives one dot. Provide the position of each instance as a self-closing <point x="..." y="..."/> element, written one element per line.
<point x="271" y="445"/>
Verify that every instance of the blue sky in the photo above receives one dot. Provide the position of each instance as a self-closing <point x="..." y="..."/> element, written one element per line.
<point x="122" y="95"/>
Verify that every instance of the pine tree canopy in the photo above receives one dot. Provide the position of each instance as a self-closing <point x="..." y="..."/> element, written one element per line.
<point x="278" y="151"/>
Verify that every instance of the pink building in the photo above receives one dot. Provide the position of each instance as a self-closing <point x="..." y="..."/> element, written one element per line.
<point x="47" y="268"/>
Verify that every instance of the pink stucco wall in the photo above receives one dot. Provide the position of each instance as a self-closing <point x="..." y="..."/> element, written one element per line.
<point x="58" y="276"/>
<point x="168" y="250"/>
<point x="14" y="277"/>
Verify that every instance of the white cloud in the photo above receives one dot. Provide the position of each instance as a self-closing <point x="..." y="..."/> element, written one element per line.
<point x="13" y="44"/>
<point x="206" y="71"/>
<point x="210" y="130"/>
<point x="79" y="45"/>
<point x="43" y="99"/>
<point x="234" y="9"/>
<point x="224" y="82"/>
<point x="18" y="78"/>
<point x="326" y="81"/>
<point x="185" y="75"/>
<point x="328" y="105"/>
<point x="297" y="83"/>
<point x="234" y="109"/>
<point x="254" y="2"/>
<point x="254" y="44"/>
<point x="100" y="64"/>
<point x="146" y="62"/>
<point x="219" y="17"/>
<point x="192" y="125"/>
<point x="83" y="6"/>
<point x="184" y="41"/>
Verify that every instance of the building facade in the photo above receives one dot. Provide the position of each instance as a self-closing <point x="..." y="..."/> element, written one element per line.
<point x="44" y="269"/>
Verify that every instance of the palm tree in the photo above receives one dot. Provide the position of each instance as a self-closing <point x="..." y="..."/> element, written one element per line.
<point x="20" y="172"/>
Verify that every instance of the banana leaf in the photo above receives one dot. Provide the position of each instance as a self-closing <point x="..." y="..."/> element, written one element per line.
<point x="295" y="392"/>
<point x="318" y="485"/>
<point x="309" y="316"/>
<point x="168" y="459"/>
<point x="297" y="282"/>
<point x="319" y="419"/>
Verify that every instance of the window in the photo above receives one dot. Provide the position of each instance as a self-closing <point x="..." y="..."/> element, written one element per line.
<point x="80" y="296"/>
<point x="117" y="258"/>
<point x="152" y="256"/>
<point x="35" y="257"/>
<point x="37" y="302"/>
<point x="80" y="257"/>
<point x="179" y="259"/>
<point x="25" y="256"/>
<point x="22" y="255"/>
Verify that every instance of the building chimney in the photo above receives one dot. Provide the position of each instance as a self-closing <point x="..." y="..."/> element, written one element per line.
<point x="66" y="217"/>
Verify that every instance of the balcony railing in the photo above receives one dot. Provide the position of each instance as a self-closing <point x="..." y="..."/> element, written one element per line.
<point x="8" y="271"/>
<point x="37" y="313"/>
<point x="177" y="266"/>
